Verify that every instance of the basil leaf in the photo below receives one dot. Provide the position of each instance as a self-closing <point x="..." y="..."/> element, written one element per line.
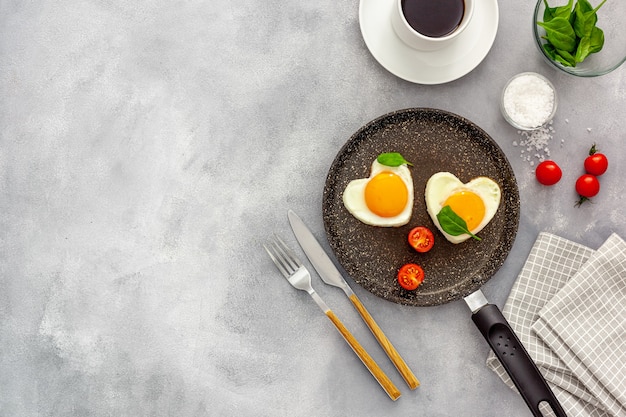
<point x="583" y="5"/>
<point x="563" y="61"/>
<point x="585" y="19"/>
<point x="583" y="50"/>
<point x="550" y="50"/>
<point x="566" y="58"/>
<point x="392" y="159"/>
<point x="596" y="40"/>
<point x="571" y="35"/>
<point x="452" y="224"/>
<point x="599" y="5"/>
<point x="560" y="33"/>
<point x="550" y="13"/>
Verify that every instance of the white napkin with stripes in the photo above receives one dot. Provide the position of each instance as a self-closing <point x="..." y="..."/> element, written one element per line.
<point x="568" y="307"/>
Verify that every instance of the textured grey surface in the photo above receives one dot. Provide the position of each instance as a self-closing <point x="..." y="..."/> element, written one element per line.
<point x="148" y="148"/>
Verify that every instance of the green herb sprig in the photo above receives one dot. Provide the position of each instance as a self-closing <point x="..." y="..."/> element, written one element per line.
<point x="571" y="32"/>
<point x="392" y="159"/>
<point x="452" y="224"/>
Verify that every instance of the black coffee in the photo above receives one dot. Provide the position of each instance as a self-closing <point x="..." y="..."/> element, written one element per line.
<point x="434" y="18"/>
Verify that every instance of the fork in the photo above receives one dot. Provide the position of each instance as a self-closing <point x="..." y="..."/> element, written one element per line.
<point x="299" y="277"/>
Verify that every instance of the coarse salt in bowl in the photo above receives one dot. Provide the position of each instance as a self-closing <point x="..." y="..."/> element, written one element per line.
<point x="528" y="101"/>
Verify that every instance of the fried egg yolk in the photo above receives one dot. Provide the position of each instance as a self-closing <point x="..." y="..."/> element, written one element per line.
<point x="476" y="202"/>
<point x="384" y="198"/>
<point x="467" y="205"/>
<point x="386" y="194"/>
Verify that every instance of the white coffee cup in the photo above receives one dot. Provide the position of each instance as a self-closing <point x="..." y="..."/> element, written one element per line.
<point x="421" y="42"/>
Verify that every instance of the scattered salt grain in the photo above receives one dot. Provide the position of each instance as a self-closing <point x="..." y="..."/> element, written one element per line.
<point x="535" y="143"/>
<point x="528" y="101"/>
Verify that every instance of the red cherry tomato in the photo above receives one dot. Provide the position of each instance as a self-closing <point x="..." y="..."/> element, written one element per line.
<point x="421" y="239"/>
<point x="596" y="164"/>
<point x="410" y="276"/>
<point x="587" y="186"/>
<point x="548" y="173"/>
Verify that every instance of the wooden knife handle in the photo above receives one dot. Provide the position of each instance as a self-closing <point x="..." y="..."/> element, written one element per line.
<point x="391" y="351"/>
<point x="367" y="360"/>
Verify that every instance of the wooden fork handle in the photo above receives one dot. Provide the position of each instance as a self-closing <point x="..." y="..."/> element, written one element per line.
<point x="385" y="343"/>
<point x="367" y="360"/>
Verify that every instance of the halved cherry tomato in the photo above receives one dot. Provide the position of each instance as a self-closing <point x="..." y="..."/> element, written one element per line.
<point x="410" y="276"/>
<point x="548" y="173"/>
<point x="421" y="239"/>
<point x="596" y="163"/>
<point x="587" y="186"/>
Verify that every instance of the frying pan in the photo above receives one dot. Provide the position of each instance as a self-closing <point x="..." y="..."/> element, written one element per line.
<point x="433" y="141"/>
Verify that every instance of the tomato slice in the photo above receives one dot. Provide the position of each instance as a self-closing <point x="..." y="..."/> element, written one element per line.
<point x="410" y="276"/>
<point x="421" y="239"/>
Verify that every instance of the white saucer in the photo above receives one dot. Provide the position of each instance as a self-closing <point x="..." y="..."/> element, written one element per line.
<point x="435" y="67"/>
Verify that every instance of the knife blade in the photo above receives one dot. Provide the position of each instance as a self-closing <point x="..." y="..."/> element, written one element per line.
<point x="331" y="276"/>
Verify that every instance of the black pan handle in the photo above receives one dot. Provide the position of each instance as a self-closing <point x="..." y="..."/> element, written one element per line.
<point x="515" y="359"/>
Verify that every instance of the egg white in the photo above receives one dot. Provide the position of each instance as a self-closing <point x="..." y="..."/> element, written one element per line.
<point x="354" y="198"/>
<point x="443" y="184"/>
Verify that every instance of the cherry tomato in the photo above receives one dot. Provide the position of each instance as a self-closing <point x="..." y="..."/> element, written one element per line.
<point x="587" y="186"/>
<point x="410" y="276"/>
<point x="548" y="173"/>
<point x="596" y="164"/>
<point x="421" y="239"/>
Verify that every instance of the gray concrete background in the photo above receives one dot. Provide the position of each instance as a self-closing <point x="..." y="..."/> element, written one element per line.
<point x="148" y="148"/>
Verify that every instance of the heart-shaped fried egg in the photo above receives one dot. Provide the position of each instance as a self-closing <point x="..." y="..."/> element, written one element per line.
<point x="476" y="202"/>
<point x="384" y="199"/>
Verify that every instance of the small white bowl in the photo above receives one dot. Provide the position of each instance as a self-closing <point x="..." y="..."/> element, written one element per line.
<point x="528" y="101"/>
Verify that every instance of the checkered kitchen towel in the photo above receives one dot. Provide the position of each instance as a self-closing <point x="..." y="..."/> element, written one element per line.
<point x="568" y="307"/>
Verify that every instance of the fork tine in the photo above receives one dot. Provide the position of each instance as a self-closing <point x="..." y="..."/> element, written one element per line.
<point x="289" y="256"/>
<point x="271" y="251"/>
<point x="286" y="261"/>
<point x="299" y="277"/>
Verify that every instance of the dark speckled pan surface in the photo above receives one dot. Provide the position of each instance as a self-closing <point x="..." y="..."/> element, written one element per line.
<point x="433" y="140"/>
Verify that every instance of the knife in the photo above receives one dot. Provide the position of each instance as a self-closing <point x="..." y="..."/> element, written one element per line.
<point x="331" y="276"/>
<point x="516" y="361"/>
